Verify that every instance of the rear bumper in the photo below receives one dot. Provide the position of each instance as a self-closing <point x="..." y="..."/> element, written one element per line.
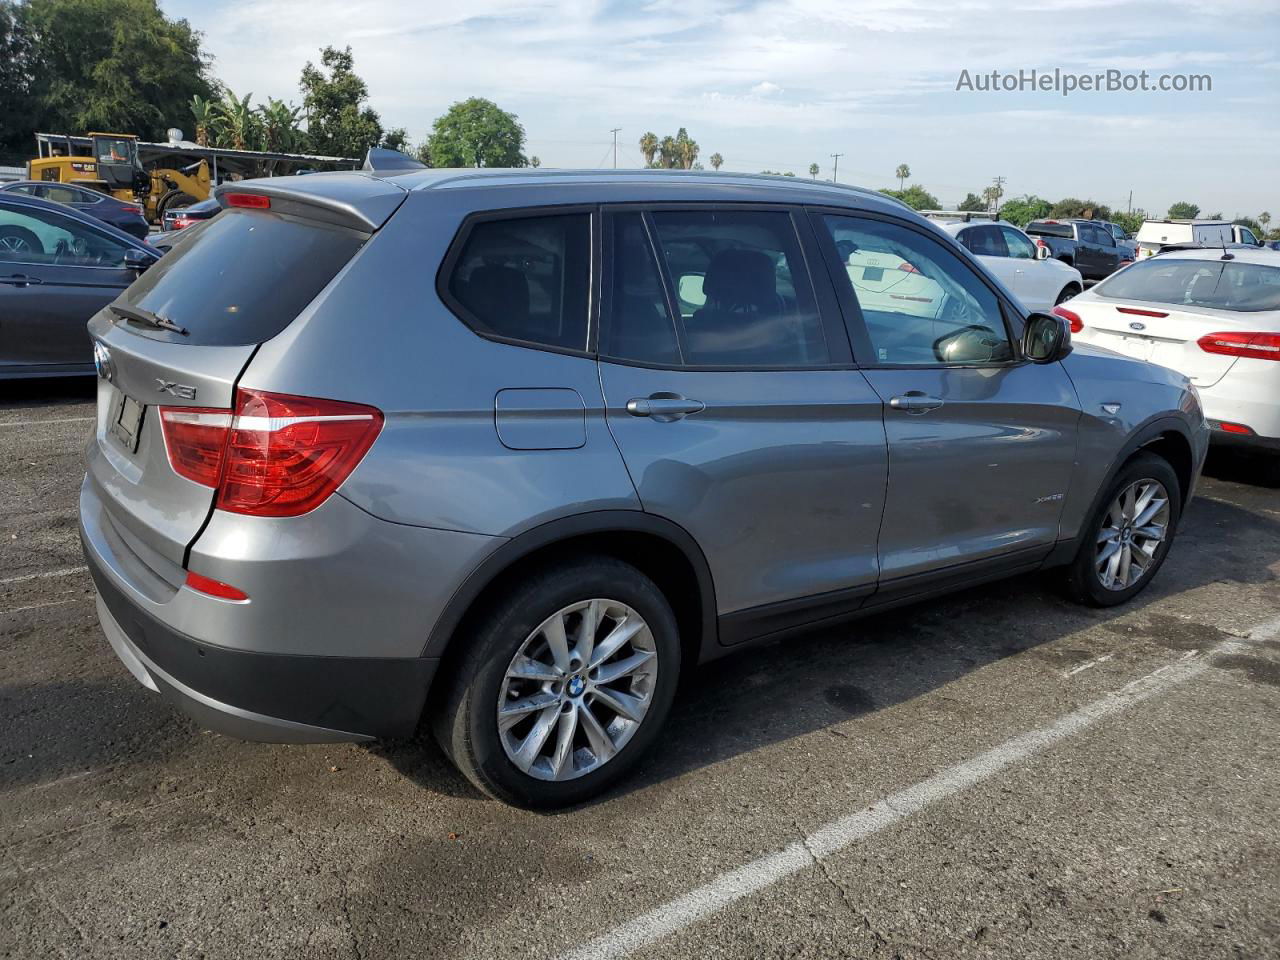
<point x="279" y="698"/>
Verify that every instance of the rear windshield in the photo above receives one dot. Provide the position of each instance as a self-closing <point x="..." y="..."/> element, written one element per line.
<point x="246" y="280"/>
<point x="1219" y="284"/>
<point x="1050" y="230"/>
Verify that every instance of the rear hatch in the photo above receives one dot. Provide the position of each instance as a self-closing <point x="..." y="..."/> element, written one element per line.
<point x="254" y="269"/>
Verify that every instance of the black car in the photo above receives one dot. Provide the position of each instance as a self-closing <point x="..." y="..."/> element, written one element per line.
<point x="58" y="267"/>
<point x="180" y="217"/>
<point x="101" y="206"/>
<point x="1087" y="245"/>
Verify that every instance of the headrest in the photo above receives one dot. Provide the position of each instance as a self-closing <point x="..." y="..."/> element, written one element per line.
<point x="741" y="278"/>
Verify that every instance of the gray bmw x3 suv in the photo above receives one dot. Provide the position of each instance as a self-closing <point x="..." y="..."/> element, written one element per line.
<point x="507" y="451"/>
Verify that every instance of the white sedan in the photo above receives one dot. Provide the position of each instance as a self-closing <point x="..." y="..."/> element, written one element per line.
<point x="1038" y="280"/>
<point x="1213" y="315"/>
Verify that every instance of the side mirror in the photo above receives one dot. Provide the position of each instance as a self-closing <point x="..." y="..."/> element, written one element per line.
<point x="1046" y="338"/>
<point x="137" y="261"/>
<point x="1042" y="253"/>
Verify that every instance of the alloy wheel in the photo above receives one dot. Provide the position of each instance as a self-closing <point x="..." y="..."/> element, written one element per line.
<point x="1135" y="525"/>
<point x="577" y="690"/>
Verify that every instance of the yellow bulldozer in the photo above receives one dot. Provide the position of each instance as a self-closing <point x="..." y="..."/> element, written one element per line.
<point x="110" y="162"/>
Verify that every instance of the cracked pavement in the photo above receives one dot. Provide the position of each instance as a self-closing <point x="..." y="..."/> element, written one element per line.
<point x="127" y="832"/>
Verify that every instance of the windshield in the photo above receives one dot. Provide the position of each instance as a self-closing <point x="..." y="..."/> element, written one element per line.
<point x="246" y="280"/>
<point x="114" y="150"/>
<point x="1217" y="284"/>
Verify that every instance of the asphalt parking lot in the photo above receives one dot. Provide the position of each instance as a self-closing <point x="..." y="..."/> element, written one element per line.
<point x="996" y="774"/>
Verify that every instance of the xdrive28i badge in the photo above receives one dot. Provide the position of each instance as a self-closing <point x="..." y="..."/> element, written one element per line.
<point x="102" y="361"/>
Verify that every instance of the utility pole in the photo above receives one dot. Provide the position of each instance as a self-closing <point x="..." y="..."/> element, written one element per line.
<point x="615" y="132"/>
<point x="835" y="167"/>
<point x="1130" y="210"/>
<point x="996" y="193"/>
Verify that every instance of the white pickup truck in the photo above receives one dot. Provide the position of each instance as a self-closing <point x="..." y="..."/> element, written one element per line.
<point x="1155" y="235"/>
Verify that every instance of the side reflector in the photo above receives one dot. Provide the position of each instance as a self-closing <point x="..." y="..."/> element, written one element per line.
<point x="214" y="588"/>
<point x="1236" y="428"/>
<point x="255" y="201"/>
<point x="1070" y="316"/>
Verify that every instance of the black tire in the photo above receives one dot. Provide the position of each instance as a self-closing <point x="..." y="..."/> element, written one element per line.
<point x="1082" y="579"/>
<point x="174" y="198"/>
<point x="1069" y="291"/>
<point x="466" y="721"/>
<point x="19" y="240"/>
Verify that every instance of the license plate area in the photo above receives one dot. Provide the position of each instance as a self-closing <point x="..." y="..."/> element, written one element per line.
<point x="124" y="421"/>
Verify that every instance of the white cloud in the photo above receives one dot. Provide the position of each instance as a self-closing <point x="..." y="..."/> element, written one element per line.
<point x="873" y="79"/>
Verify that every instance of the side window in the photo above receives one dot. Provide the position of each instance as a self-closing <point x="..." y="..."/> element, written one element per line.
<point x="987" y="242"/>
<point x="29" y="189"/>
<point x="639" y="325"/>
<point x="1246" y="236"/>
<point x="742" y="289"/>
<point x="527" y="278"/>
<point x="920" y="303"/>
<point x="60" y="194"/>
<point x="44" y="237"/>
<point x="1020" y="247"/>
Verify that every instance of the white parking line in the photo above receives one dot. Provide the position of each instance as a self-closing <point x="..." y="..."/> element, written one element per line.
<point x="41" y="606"/>
<point x="698" y="904"/>
<point x="63" y="572"/>
<point x="34" y="423"/>
<point x="1088" y="664"/>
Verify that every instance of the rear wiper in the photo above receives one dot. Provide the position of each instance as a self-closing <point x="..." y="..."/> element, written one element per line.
<point x="139" y="315"/>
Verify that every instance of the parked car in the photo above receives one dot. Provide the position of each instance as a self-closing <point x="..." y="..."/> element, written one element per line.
<point x="179" y="217"/>
<point x="58" y="267"/>
<point x="1037" y="279"/>
<point x="508" y="452"/>
<point x="1212" y="316"/>
<point x="1272" y="244"/>
<point x="1092" y="249"/>
<point x="1154" y="235"/>
<point x="101" y="206"/>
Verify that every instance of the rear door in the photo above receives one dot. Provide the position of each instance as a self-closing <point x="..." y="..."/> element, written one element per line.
<point x="252" y="273"/>
<point x="730" y="392"/>
<point x="981" y="444"/>
<point x="55" y="273"/>
<point x="1036" y="285"/>
<point x="987" y="242"/>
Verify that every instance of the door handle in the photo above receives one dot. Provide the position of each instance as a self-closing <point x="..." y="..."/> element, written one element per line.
<point x="21" y="280"/>
<point x="915" y="402"/>
<point x="664" y="407"/>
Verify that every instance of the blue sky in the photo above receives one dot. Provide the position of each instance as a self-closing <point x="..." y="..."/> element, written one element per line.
<point x="779" y="84"/>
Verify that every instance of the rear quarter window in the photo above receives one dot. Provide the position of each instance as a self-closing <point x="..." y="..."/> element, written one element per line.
<point x="247" y="279"/>
<point x="1050" y="230"/>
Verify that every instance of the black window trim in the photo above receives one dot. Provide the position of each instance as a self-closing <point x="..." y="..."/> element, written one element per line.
<point x="459" y="243"/>
<point x="833" y="327"/>
<point x="863" y="351"/>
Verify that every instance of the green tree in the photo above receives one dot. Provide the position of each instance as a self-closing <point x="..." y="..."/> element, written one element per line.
<point x="972" y="203"/>
<point x="778" y="173"/>
<point x="202" y="112"/>
<point x="1264" y="219"/>
<point x="1021" y="210"/>
<point x="18" y="107"/>
<point x="108" y="65"/>
<point x="649" y="148"/>
<point x="686" y="149"/>
<point x="279" y="129"/>
<point x="235" y="123"/>
<point x="535" y="162"/>
<point x="1085" y="209"/>
<point x="903" y="173"/>
<point x="397" y="138"/>
<point x="1182" y="210"/>
<point x="716" y="160"/>
<point x="668" y="155"/>
<point x="1129" y="222"/>
<point x="1252" y="224"/>
<point x="1216" y="216"/>
<point x="914" y="196"/>
<point x="814" y="170"/>
<point x="338" y="122"/>
<point x="477" y="133"/>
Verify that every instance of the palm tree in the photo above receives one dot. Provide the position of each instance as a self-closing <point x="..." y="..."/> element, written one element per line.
<point x="202" y="111"/>
<point x="992" y="195"/>
<point x="715" y="161"/>
<point x="903" y="173"/>
<point x="1264" y="218"/>
<point x="667" y="156"/>
<point x="236" y="122"/>
<point x="687" y="150"/>
<point x="814" y="170"/>
<point x="649" y="147"/>
<point x="535" y="162"/>
<point x="279" y="124"/>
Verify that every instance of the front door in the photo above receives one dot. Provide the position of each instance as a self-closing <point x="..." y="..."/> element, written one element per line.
<point x="732" y="399"/>
<point x="981" y="443"/>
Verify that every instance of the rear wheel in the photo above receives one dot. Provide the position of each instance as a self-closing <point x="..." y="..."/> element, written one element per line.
<point x="173" y="200"/>
<point x="15" y="240"/>
<point x="1069" y="291"/>
<point x="1129" y="536"/>
<point x="563" y="686"/>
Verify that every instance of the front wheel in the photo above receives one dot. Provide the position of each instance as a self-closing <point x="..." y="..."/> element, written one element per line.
<point x="1129" y="535"/>
<point x="564" y="685"/>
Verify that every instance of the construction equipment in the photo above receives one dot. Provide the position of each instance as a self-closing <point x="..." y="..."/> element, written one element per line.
<point x="158" y="176"/>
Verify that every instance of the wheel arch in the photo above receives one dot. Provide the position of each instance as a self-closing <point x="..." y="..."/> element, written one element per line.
<point x="659" y="548"/>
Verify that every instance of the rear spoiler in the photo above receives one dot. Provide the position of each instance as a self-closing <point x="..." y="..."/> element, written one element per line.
<point x="345" y="199"/>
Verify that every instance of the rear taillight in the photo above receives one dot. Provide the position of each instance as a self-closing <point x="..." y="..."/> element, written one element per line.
<point x="1040" y="242"/>
<point x="134" y="210"/>
<point x="907" y="267"/>
<point x="179" y="222"/>
<point x="1256" y="346"/>
<point x="277" y="456"/>
<point x="1070" y="316"/>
